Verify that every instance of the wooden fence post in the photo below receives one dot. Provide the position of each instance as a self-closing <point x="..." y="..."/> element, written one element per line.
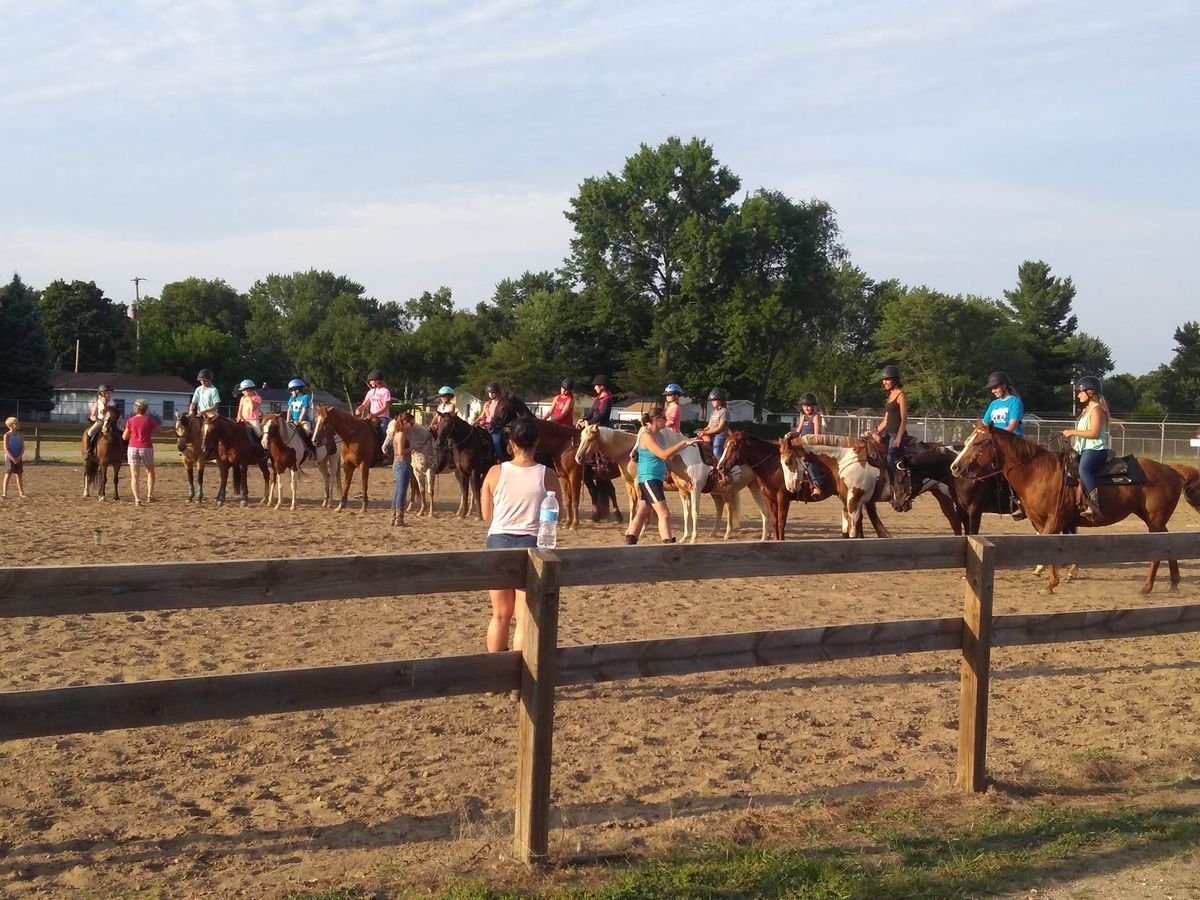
<point x="535" y="725"/>
<point x="37" y="445"/>
<point x="976" y="662"/>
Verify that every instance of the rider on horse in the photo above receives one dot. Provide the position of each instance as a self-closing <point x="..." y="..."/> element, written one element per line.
<point x="104" y="400"/>
<point x="562" y="411"/>
<point x="300" y="413"/>
<point x="376" y="403"/>
<point x="249" y="411"/>
<point x="205" y="398"/>
<point x="487" y="414"/>
<point x="1089" y="438"/>
<point x="446" y="402"/>
<point x="717" y="427"/>
<point x="811" y="422"/>
<point x="1006" y="411"/>
<point x="601" y="411"/>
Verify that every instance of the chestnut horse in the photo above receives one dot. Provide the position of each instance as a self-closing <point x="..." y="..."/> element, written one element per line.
<point x="470" y="450"/>
<point x="860" y="482"/>
<point x="1038" y="477"/>
<point x="360" y="446"/>
<point x="556" y="446"/>
<point x="188" y="429"/>
<point x="109" y="453"/>
<point x="234" y="449"/>
<point x="286" y="446"/>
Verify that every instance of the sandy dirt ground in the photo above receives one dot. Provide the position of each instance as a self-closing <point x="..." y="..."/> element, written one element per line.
<point x="413" y="794"/>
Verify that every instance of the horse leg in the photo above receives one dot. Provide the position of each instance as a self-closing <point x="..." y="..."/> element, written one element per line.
<point x="719" y="503"/>
<point x="191" y="467"/>
<point x="365" y="469"/>
<point x="117" y="481"/>
<point x="266" y="474"/>
<point x="785" y="502"/>
<point x="347" y="476"/>
<point x="949" y="509"/>
<point x="294" y="473"/>
<point x="877" y="523"/>
<point x="223" y="468"/>
<point x="200" y="481"/>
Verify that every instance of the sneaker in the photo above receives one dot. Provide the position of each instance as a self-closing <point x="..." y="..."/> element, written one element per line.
<point x="670" y="540"/>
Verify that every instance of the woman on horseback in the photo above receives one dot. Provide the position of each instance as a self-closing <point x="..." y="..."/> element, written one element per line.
<point x="1006" y="409"/>
<point x="562" y="411"/>
<point x="651" y="473"/>
<point x="104" y="400"/>
<point x="205" y="398"/>
<point x="811" y="422"/>
<point x="894" y="425"/>
<point x="300" y="406"/>
<point x="487" y="414"/>
<point x="601" y="411"/>
<point x="717" y="428"/>
<point x="1089" y="437"/>
<point x="376" y="403"/>
<point x="446" y="400"/>
<point x="249" y="411"/>
<point x="672" y="410"/>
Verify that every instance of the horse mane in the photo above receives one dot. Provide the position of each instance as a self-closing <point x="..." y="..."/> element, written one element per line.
<point x="829" y="440"/>
<point x="1021" y="447"/>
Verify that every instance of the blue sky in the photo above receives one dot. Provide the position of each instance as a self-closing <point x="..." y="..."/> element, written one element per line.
<point x="414" y="144"/>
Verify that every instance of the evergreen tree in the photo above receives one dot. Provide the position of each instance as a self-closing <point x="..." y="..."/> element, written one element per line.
<point x="1041" y="306"/>
<point x="25" y="362"/>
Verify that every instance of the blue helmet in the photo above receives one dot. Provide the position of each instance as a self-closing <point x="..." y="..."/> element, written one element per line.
<point x="295" y="383"/>
<point x="672" y="388"/>
<point x="246" y="384"/>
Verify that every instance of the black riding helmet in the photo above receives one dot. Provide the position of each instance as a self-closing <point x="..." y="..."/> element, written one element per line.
<point x="205" y="374"/>
<point x="569" y="383"/>
<point x="600" y="381"/>
<point x="374" y="375"/>
<point x="808" y="400"/>
<point x="997" y="379"/>
<point x="494" y="386"/>
<point x="892" y="372"/>
<point x="1090" y="383"/>
<point x="103" y="388"/>
<point x="719" y="393"/>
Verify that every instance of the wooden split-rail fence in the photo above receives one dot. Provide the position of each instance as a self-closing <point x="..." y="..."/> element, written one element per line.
<point x="543" y="665"/>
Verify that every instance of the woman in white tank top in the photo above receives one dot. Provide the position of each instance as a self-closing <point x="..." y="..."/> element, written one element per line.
<point x="511" y="500"/>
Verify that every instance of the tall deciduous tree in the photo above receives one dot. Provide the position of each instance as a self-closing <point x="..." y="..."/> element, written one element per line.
<point x="843" y="371"/>
<point x="646" y="236"/>
<point x="25" y="362"/>
<point x="80" y="311"/>
<point x="197" y="323"/>
<point x="1041" y="306"/>
<point x="1181" y="376"/>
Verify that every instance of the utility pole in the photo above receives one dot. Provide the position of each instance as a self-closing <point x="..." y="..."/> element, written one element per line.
<point x="137" y="323"/>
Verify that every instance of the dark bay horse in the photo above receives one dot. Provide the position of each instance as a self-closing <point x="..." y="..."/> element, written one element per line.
<point x="556" y="447"/>
<point x="1038" y="477"/>
<point x="188" y="430"/>
<point x="359" y="446"/>
<point x="472" y="453"/>
<point x="109" y="454"/>
<point x="234" y="450"/>
<point x="963" y="498"/>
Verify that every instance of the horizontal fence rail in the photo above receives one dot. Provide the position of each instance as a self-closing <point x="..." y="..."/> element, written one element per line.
<point x="542" y="664"/>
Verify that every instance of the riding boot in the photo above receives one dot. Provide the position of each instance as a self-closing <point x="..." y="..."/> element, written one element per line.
<point x="1018" y="511"/>
<point x="398" y="518"/>
<point x="1093" y="501"/>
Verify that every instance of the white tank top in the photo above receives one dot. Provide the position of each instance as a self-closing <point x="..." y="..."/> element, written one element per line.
<point x="518" y="499"/>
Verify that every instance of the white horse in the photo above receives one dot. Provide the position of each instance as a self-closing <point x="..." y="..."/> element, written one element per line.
<point x="860" y="485"/>
<point x="686" y="467"/>
<point x="326" y="459"/>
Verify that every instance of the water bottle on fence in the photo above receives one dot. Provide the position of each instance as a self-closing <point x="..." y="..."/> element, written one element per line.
<point x="547" y="535"/>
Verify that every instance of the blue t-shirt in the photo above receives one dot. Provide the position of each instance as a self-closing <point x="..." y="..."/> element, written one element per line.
<point x="298" y="405"/>
<point x="14" y="443"/>
<point x="1002" y="411"/>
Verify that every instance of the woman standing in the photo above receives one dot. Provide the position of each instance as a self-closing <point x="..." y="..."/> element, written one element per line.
<point x="138" y="435"/>
<point x="397" y="439"/>
<point x="512" y="497"/>
<point x="893" y="428"/>
<point x="651" y="472"/>
<point x="1089" y="438"/>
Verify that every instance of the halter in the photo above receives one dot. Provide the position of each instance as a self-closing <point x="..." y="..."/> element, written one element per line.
<point x="450" y="436"/>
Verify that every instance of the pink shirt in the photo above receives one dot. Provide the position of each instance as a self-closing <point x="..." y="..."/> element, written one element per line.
<point x="248" y="408"/>
<point x="378" y="400"/>
<point x="485" y="415"/>
<point x="141" y="429"/>
<point x="674" y="414"/>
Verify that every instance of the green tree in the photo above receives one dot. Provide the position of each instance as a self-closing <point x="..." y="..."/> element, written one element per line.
<point x="1121" y="394"/>
<point x="843" y="371"/>
<point x="935" y="337"/>
<point x="1041" y="306"/>
<point x="1088" y="355"/>
<point x="80" y="311"/>
<point x="25" y="362"/>
<point x="1181" y="376"/>
<point x="645" y="237"/>
<point x="197" y="323"/>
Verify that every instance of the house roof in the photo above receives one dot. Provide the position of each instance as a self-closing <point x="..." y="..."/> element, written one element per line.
<point x="149" y="384"/>
<point x="281" y="395"/>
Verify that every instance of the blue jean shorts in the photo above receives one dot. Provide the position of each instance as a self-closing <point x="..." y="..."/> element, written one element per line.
<point x="511" y="541"/>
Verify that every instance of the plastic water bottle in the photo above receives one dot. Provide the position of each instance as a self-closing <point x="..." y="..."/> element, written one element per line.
<point x="547" y="536"/>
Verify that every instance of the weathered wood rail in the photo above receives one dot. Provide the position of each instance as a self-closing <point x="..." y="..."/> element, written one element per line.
<point x="543" y="665"/>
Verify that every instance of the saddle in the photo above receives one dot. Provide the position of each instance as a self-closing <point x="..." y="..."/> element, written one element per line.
<point x="1116" y="469"/>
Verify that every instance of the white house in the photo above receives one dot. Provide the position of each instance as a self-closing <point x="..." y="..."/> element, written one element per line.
<point x="74" y="393"/>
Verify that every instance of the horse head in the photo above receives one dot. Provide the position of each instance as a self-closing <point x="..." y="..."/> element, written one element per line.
<point x="978" y="451"/>
<point x="442" y="428"/>
<point x="791" y="459"/>
<point x="508" y="407"/>
<point x="588" y="437"/>
<point x="902" y="486"/>
<point x="271" y="425"/>
<point x="731" y="456"/>
<point x="108" y="422"/>
<point x="323" y="412"/>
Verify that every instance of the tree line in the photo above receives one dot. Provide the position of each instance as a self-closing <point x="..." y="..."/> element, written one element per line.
<point x="670" y="277"/>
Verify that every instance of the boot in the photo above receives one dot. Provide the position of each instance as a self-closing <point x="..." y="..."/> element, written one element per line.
<point x="670" y="540"/>
<point x="1093" y="501"/>
<point x="1018" y="511"/>
<point x="398" y="518"/>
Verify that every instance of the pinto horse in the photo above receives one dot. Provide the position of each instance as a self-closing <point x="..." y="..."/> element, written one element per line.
<point x="861" y="482"/>
<point x="1038" y="477"/>
<point x="109" y="453"/>
<point x="287" y="447"/>
<point x="359" y="446"/>
<point x="233" y="448"/>
<point x="556" y="447"/>
<point x="470" y="450"/>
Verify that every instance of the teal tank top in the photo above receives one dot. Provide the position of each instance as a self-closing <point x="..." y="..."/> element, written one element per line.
<point x="1100" y="442"/>
<point x="650" y="467"/>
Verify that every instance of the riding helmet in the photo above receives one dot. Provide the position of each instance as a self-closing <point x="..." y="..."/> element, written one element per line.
<point x="1090" y="383"/>
<point x="892" y="372"/>
<point x="719" y="393"/>
<point x="103" y="388"/>
<point x="205" y="374"/>
<point x="295" y="383"/>
<point x="494" y="386"/>
<point x="569" y="383"/>
<point x="997" y="379"/>
<point x="246" y="385"/>
<point x="600" y="381"/>
<point x="672" y="388"/>
<point x="445" y="391"/>
<point x="808" y="399"/>
<point x="374" y="375"/>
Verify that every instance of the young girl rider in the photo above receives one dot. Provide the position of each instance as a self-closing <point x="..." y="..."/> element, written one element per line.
<point x="446" y="400"/>
<point x="811" y="422"/>
<point x="104" y="400"/>
<point x="1089" y="438"/>
<point x="717" y="428"/>
<point x="376" y="403"/>
<point x="249" y="411"/>
<point x="562" y="411"/>
<point x="672" y="410"/>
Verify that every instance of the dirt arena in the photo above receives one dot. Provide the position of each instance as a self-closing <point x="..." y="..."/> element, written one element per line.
<point x="409" y="794"/>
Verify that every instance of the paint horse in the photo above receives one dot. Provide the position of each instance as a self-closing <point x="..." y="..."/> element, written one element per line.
<point x="860" y="483"/>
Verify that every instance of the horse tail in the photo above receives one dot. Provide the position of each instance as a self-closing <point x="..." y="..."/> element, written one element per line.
<point x="1191" y="484"/>
<point x="91" y="468"/>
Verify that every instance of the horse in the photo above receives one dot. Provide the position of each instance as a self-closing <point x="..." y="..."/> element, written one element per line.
<point x="556" y="446"/>
<point x="286" y="446"/>
<point x="188" y="430"/>
<point x="109" y="453"/>
<point x="359" y="446"/>
<point x="1039" y="478"/>
<point x="860" y="484"/>
<point x="683" y="468"/>
<point x="470" y="449"/>
<point x="234" y="450"/>
<point x="963" y="499"/>
<point x="427" y="463"/>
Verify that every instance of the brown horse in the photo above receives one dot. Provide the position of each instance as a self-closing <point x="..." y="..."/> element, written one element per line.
<point x="109" y="453"/>
<point x="234" y="449"/>
<point x="556" y="446"/>
<point x="762" y="458"/>
<point x="360" y="446"/>
<point x="188" y="430"/>
<point x="859" y="477"/>
<point x="1039" y="479"/>
<point x="470" y="450"/>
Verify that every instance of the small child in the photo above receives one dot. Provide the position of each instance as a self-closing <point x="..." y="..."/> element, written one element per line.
<point x="14" y="456"/>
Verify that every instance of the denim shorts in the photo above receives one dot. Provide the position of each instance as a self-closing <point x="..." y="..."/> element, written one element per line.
<point x="511" y="541"/>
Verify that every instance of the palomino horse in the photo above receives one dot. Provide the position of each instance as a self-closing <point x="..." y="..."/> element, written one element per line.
<point x="556" y="446"/>
<point x="109" y="453"/>
<point x="359" y="446"/>
<point x="684" y="467"/>
<point x="1038" y="477"/>
<point x="472" y="453"/>
<point x="188" y="429"/>
<point x="286" y="446"/>
<point x="234" y="450"/>
<point x="860" y="484"/>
